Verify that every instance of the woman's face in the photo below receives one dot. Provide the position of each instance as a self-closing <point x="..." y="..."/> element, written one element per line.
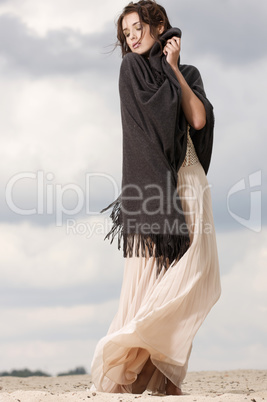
<point x="132" y="30"/>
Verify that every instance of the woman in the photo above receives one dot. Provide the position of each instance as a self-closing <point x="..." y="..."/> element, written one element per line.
<point x="164" y="212"/>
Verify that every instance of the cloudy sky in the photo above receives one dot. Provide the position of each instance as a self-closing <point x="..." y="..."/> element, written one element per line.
<point x="61" y="163"/>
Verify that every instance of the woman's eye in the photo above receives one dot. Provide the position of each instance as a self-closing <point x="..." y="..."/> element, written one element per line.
<point x="128" y="33"/>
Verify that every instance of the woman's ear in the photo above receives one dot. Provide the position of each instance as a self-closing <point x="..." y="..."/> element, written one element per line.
<point x="160" y="29"/>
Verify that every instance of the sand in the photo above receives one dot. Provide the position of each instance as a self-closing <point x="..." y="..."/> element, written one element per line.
<point x="215" y="386"/>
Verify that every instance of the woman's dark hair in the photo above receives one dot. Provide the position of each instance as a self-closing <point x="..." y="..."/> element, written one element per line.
<point x="150" y="13"/>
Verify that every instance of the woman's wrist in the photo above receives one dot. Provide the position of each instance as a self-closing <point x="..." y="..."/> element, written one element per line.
<point x="175" y="69"/>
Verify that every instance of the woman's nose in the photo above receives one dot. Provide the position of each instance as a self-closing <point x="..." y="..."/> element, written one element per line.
<point x="132" y="35"/>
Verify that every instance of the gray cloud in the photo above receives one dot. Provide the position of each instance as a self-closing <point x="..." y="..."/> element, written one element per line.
<point x="68" y="296"/>
<point x="64" y="51"/>
<point x="232" y="31"/>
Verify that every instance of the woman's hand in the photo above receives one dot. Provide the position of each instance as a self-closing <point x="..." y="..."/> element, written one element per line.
<point x="172" y="51"/>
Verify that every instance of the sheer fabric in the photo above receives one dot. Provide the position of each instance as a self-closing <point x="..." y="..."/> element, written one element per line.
<point x="158" y="316"/>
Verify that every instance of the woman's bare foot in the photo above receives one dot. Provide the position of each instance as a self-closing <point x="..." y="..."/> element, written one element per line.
<point x="143" y="378"/>
<point x="171" y="389"/>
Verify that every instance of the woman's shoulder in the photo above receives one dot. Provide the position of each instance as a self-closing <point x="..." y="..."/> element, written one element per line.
<point x="189" y="69"/>
<point x="191" y="74"/>
<point x="130" y="58"/>
<point x="132" y="61"/>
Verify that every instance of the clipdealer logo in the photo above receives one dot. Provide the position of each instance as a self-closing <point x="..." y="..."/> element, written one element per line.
<point x="253" y="222"/>
<point x="50" y="197"/>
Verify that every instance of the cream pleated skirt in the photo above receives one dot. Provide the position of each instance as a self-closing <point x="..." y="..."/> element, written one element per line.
<point x="158" y="316"/>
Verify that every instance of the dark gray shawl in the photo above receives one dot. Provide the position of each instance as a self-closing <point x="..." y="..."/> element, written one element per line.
<point x="154" y="146"/>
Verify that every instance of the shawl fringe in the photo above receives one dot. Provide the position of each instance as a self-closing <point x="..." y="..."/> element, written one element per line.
<point x="167" y="249"/>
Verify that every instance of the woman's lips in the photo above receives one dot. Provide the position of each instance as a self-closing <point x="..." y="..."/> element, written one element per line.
<point x="136" y="45"/>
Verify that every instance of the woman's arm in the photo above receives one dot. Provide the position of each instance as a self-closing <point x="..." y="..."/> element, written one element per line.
<point x="192" y="106"/>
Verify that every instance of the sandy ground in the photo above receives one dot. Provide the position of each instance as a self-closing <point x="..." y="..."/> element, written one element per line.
<point x="215" y="386"/>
